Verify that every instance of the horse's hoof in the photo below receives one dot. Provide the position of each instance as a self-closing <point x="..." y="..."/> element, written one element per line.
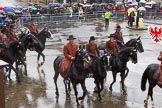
<point x="78" y="104"/>
<point x="110" y="88"/>
<point x="69" y="89"/>
<point x="18" y="80"/>
<point x="145" y="102"/>
<point x="57" y="94"/>
<point x="101" y="100"/>
<point x="124" y="91"/>
<point x="25" y="74"/>
<point x="42" y="63"/>
<point x="80" y="98"/>
<point x="95" y="91"/>
<point x="39" y="65"/>
<point x="10" y="80"/>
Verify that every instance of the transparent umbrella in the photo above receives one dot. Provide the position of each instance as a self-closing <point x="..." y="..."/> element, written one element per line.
<point x="142" y="8"/>
<point x="131" y="9"/>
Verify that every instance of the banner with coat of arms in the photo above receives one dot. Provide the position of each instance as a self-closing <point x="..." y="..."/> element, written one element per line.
<point x="155" y="33"/>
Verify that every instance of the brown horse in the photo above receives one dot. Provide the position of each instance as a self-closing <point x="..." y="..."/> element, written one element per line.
<point x="151" y="74"/>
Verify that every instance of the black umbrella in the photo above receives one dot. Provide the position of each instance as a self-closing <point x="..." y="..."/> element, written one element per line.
<point x="11" y="13"/>
<point x="1" y="16"/>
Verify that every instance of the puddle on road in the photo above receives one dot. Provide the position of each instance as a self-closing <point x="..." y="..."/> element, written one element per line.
<point x="37" y="90"/>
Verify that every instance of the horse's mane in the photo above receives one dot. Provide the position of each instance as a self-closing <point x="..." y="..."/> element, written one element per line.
<point x="42" y="30"/>
<point x="124" y="50"/>
<point x="131" y="41"/>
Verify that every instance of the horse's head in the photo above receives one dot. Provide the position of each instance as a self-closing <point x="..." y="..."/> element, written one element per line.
<point x="82" y="54"/>
<point x="133" y="56"/>
<point x="139" y="45"/>
<point x="46" y="32"/>
<point x="127" y="54"/>
<point x="136" y="43"/>
<point x="104" y="59"/>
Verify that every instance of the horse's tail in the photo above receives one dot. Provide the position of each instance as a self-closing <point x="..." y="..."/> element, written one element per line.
<point x="144" y="79"/>
<point x="54" y="63"/>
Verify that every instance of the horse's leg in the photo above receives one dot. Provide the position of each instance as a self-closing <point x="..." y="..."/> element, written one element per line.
<point x="65" y="83"/>
<point x="126" y="72"/>
<point x="84" y="91"/>
<point x="38" y="58"/>
<point x="16" y="64"/>
<point x="43" y="58"/>
<point x="146" y="101"/>
<point x="102" y="84"/>
<point x="25" y="66"/>
<point x="17" y="76"/>
<point x="98" y="87"/>
<point x="122" y="81"/>
<point x="9" y="73"/>
<point x="69" y="88"/>
<point x="55" y="81"/>
<point x="76" y="93"/>
<point x="151" y="95"/>
<point x="114" y="80"/>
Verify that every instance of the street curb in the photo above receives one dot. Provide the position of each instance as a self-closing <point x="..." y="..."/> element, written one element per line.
<point x="152" y="23"/>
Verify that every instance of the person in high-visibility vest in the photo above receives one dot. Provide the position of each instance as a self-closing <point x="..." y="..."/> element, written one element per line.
<point x="107" y="16"/>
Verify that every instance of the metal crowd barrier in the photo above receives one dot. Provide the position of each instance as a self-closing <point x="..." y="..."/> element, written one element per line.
<point x="50" y="19"/>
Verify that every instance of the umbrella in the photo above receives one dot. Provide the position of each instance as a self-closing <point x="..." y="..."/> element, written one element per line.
<point x="95" y="4"/>
<point x="133" y="4"/>
<point x="151" y="2"/>
<point x="142" y="1"/>
<point x="1" y="8"/>
<point x="33" y="8"/>
<point x="148" y="6"/>
<point x="130" y="1"/>
<point x="1" y="16"/>
<point x="87" y="5"/>
<point x="119" y="3"/>
<point x="131" y="9"/>
<point x="24" y="8"/>
<point x="8" y="9"/>
<point x="1" y="11"/>
<point x="11" y="13"/>
<point x="18" y="12"/>
<point x="142" y="8"/>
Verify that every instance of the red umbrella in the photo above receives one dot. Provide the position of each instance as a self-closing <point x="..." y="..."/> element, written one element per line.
<point x="1" y="8"/>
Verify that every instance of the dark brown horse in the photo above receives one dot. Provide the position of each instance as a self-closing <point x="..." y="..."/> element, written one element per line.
<point x="149" y="75"/>
<point x="76" y="75"/>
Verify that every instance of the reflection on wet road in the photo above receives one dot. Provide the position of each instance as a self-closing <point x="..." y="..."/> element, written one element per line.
<point x="37" y="90"/>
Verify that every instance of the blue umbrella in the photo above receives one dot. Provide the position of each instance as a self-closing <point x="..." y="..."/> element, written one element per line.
<point x="8" y="9"/>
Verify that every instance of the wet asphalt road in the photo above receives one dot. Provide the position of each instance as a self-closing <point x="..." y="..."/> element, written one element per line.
<point x="37" y="90"/>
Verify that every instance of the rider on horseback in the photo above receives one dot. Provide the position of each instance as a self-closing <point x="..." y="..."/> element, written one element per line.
<point x="11" y="34"/>
<point x="33" y="28"/>
<point x="92" y="51"/>
<point x="69" y="51"/>
<point x="112" y="47"/>
<point x="118" y="35"/>
<point x="92" y="47"/>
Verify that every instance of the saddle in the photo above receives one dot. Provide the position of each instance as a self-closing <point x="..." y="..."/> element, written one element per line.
<point x="64" y="68"/>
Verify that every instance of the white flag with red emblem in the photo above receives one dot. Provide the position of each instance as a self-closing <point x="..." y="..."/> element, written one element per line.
<point x="155" y="33"/>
